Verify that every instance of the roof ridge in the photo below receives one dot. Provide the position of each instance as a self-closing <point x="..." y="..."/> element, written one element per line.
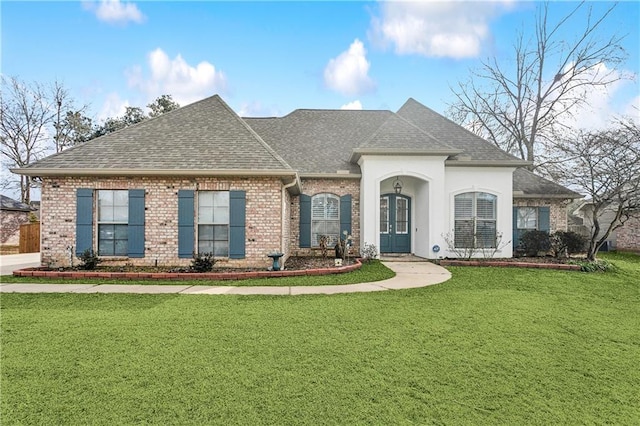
<point x="459" y="125"/>
<point x="116" y="132"/>
<point x="254" y="134"/>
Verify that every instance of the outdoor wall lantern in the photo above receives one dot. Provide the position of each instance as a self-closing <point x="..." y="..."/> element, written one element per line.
<point x="397" y="185"/>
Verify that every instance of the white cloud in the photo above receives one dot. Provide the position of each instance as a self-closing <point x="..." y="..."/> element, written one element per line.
<point x="452" y="29"/>
<point x="352" y="105"/>
<point x="115" y="12"/>
<point x="256" y="109"/>
<point x="601" y="104"/>
<point x="112" y="107"/>
<point x="175" y="77"/>
<point x="347" y="73"/>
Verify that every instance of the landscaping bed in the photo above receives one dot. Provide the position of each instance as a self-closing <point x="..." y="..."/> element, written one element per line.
<point x="545" y="262"/>
<point x="294" y="266"/>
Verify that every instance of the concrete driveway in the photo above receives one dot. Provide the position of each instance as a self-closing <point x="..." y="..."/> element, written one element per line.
<point x="11" y="262"/>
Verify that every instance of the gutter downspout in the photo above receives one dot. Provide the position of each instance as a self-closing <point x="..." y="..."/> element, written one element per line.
<point x="284" y="244"/>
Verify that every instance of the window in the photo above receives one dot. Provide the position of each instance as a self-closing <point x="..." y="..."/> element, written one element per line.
<point x="325" y="218"/>
<point x="113" y="219"/>
<point x="213" y="222"/>
<point x="527" y="218"/>
<point x="384" y="215"/>
<point x="475" y="220"/>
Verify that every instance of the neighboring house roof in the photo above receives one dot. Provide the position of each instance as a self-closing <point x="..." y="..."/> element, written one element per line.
<point x="14" y="205"/>
<point x="529" y="185"/>
<point x="201" y="138"/>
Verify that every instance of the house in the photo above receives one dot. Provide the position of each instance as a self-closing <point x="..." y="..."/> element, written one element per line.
<point x="623" y="238"/>
<point x="13" y="213"/>
<point x="203" y="179"/>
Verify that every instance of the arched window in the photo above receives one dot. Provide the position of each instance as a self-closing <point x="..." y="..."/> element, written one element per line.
<point x="325" y="218"/>
<point x="475" y="220"/>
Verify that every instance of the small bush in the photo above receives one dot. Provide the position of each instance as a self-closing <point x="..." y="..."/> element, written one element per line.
<point x="533" y="242"/>
<point x="202" y="262"/>
<point x="89" y="260"/>
<point x="369" y="252"/>
<point x="595" y="266"/>
<point x="566" y="243"/>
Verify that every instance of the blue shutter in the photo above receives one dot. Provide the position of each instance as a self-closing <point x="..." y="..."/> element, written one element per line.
<point x="544" y="219"/>
<point x="186" y="230"/>
<point x="515" y="238"/>
<point x="84" y="220"/>
<point x="345" y="215"/>
<point x="305" y="221"/>
<point x="237" y="218"/>
<point x="136" y="223"/>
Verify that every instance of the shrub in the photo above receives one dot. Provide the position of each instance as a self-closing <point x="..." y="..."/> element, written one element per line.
<point x="202" y="262"/>
<point x="565" y="243"/>
<point x="595" y="266"/>
<point x="369" y="252"/>
<point x="532" y="242"/>
<point x="89" y="260"/>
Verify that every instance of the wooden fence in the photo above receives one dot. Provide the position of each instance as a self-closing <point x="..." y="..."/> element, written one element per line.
<point x="30" y="237"/>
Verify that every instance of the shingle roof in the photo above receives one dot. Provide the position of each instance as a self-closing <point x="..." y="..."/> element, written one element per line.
<point x="319" y="141"/>
<point x="7" y="203"/>
<point x="398" y="135"/>
<point x="472" y="146"/>
<point x="205" y="135"/>
<point x="527" y="184"/>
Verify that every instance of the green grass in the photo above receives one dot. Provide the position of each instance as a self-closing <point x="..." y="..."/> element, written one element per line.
<point x="490" y="346"/>
<point x="369" y="272"/>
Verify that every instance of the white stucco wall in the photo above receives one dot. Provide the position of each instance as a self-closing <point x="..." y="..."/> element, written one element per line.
<point x="432" y="188"/>
<point x="494" y="180"/>
<point x="423" y="179"/>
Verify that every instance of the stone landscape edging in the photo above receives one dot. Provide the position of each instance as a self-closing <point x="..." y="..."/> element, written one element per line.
<point x="560" y="266"/>
<point x="212" y="276"/>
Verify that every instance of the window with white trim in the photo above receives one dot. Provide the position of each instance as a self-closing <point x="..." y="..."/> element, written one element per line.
<point x="213" y="223"/>
<point x="475" y="220"/>
<point x="325" y="218"/>
<point x="113" y="219"/>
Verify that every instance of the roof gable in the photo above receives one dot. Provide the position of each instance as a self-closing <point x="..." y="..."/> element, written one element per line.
<point x="473" y="147"/>
<point x="205" y="135"/>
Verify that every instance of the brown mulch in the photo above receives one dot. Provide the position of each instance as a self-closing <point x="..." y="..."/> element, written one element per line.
<point x="292" y="264"/>
<point x="528" y="259"/>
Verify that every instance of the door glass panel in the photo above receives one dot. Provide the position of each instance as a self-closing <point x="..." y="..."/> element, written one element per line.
<point x="402" y="216"/>
<point x="384" y="215"/>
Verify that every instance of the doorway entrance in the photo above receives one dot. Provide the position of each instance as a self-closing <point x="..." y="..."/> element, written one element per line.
<point x="395" y="224"/>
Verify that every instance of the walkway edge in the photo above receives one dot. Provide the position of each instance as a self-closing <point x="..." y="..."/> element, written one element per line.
<point x="408" y="275"/>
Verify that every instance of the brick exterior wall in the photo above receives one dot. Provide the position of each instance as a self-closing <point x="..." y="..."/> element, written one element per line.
<point x="338" y="187"/>
<point x="264" y="206"/>
<point x="557" y="210"/>
<point x="628" y="235"/>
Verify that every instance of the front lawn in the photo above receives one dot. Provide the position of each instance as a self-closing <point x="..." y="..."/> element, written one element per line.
<point x="490" y="346"/>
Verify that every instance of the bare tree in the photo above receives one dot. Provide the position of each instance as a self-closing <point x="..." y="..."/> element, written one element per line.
<point x="520" y="105"/>
<point x="605" y="166"/>
<point x="25" y="114"/>
<point x="70" y="125"/>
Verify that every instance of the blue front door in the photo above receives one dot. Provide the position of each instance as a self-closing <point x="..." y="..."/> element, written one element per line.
<point x="395" y="224"/>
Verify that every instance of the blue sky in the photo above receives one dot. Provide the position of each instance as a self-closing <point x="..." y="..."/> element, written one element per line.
<point x="269" y="58"/>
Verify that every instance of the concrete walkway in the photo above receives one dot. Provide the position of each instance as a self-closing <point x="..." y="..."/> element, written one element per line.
<point x="11" y="262"/>
<point x="408" y="275"/>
